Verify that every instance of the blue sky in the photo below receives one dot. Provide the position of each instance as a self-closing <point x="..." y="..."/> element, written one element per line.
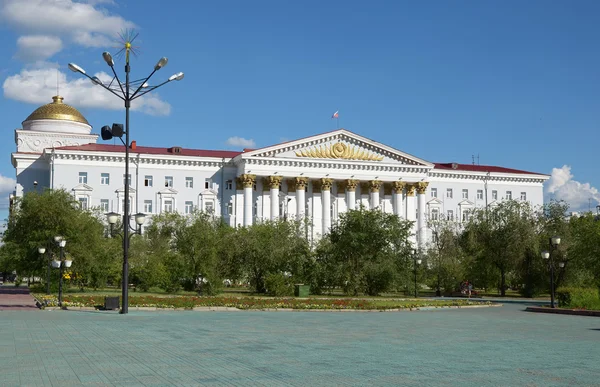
<point x="514" y="82"/>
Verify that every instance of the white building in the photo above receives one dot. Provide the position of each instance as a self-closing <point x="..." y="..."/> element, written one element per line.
<point x="317" y="177"/>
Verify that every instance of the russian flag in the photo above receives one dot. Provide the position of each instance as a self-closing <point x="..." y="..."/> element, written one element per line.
<point x="336" y="115"/>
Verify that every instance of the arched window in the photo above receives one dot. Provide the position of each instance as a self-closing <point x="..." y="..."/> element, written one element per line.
<point x="435" y="214"/>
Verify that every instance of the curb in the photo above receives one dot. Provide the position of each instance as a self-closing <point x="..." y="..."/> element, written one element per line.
<point x="232" y="309"/>
<point x="572" y="312"/>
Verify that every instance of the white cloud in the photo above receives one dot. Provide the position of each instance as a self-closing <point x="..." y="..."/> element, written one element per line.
<point x="7" y="184"/>
<point x="47" y="27"/>
<point x="81" y="22"/>
<point x="37" y="85"/>
<point x="241" y="142"/>
<point x="37" y="47"/>
<point x="561" y="186"/>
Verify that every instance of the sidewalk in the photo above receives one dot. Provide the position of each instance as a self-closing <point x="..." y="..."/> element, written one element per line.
<point x="16" y="298"/>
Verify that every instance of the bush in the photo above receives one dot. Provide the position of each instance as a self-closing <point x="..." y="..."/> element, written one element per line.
<point x="278" y="285"/>
<point x="578" y="298"/>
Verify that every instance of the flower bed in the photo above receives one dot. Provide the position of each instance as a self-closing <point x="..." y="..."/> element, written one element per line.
<point x="245" y="303"/>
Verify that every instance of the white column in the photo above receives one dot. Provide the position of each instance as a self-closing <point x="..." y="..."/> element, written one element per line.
<point x="273" y="183"/>
<point x="421" y="222"/>
<point x="374" y="187"/>
<point x="351" y="193"/>
<point x="410" y="209"/>
<point x="326" y="198"/>
<point x="397" y="188"/>
<point x="301" y="196"/>
<point x="248" y="184"/>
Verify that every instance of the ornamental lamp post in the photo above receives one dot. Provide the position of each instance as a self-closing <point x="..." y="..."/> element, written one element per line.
<point x="42" y="250"/>
<point x="417" y="261"/>
<point x="112" y="218"/>
<point x="553" y="242"/>
<point x="61" y="264"/>
<point x="124" y="92"/>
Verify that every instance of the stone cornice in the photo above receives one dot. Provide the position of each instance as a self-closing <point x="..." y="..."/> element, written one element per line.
<point x="37" y="133"/>
<point x="144" y="159"/>
<point x="496" y="177"/>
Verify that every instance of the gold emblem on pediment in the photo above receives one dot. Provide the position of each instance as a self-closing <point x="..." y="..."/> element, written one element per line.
<point x="339" y="150"/>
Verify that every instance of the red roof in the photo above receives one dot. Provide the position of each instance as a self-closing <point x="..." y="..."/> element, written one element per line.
<point x="480" y="168"/>
<point x="152" y="150"/>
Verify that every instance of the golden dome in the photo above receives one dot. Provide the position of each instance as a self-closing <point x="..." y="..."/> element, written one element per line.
<point x="57" y="110"/>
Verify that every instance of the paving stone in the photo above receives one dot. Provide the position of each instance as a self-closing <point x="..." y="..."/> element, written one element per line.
<point x="452" y="346"/>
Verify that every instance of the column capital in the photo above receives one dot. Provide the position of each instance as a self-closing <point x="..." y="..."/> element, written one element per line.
<point x="300" y="183"/>
<point x="246" y="180"/>
<point x="351" y="185"/>
<point x="398" y="186"/>
<point x="421" y="187"/>
<point x="273" y="181"/>
<point x="374" y="185"/>
<point x="410" y="189"/>
<point x="326" y="184"/>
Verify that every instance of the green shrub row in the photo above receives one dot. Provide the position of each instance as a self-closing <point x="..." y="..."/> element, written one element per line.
<point x="579" y="298"/>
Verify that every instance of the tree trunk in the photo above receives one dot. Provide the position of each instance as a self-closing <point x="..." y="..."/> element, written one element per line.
<point x="502" y="283"/>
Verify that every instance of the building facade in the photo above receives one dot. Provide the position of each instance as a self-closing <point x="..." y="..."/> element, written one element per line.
<point x="315" y="178"/>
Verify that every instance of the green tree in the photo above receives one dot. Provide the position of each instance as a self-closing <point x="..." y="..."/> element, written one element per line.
<point x="447" y="263"/>
<point x="368" y="244"/>
<point x="38" y="217"/>
<point x="501" y="237"/>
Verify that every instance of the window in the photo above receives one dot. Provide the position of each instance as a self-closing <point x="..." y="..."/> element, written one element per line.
<point x="168" y="206"/>
<point x="189" y="207"/>
<point x="209" y="206"/>
<point x="508" y="195"/>
<point x="465" y="216"/>
<point x="523" y="195"/>
<point x="480" y="194"/>
<point x="494" y="195"/>
<point x="127" y="180"/>
<point x="450" y="215"/>
<point x="230" y="209"/>
<point x="104" y="205"/>
<point x="449" y="193"/>
<point x="148" y="206"/>
<point x="465" y="193"/>
<point x="83" y="203"/>
<point x="435" y="214"/>
<point x="206" y="183"/>
<point x="168" y="181"/>
<point x="229" y="184"/>
<point x="189" y="182"/>
<point x="434" y="192"/>
<point x="105" y="178"/>
<point x="148" y="181"/>
<point x="82" y="177"/>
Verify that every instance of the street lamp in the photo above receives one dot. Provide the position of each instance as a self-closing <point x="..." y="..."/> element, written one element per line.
<point x="60" y="264"/>
<point x="417" y="261"/>
<point x="123" y="91"/>
<point x="42" y="250"/>
<point x="554" y="242"/>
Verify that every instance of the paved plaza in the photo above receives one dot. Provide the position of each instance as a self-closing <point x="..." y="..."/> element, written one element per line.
<point x="487" y="346"/>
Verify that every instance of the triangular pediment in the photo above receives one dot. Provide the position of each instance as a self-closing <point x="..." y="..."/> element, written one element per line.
<point x="340" y="145"/>
<point x="435" y="202"/>
<point x="82" y="187"/>
<point x="122" y="190"/>
<point x="168" y="191"/>
<point x="208" y="192"/>
<point x="466" y="203"/>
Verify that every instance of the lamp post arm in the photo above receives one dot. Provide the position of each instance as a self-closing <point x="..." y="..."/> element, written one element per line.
<point x="105" y="87"/>
<point x="142" y="84"/>
<point x="118" y="80"/>
<point x="151" y="89"/>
